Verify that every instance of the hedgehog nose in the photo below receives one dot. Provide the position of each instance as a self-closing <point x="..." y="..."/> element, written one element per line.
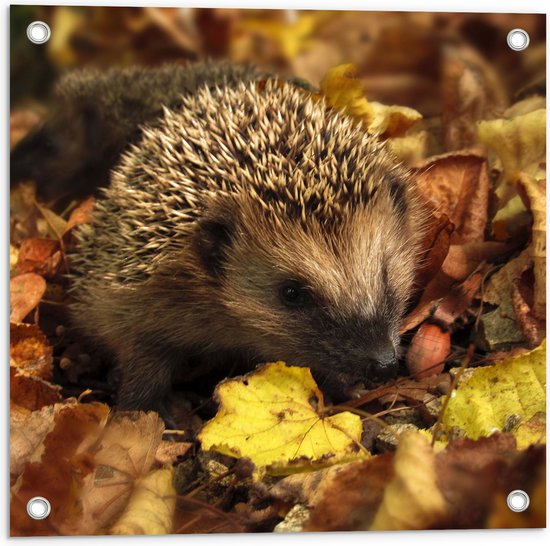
<point x="385" y="366"/>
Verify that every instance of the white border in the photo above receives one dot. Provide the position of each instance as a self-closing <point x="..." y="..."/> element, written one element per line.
<point x="422" y="538"/>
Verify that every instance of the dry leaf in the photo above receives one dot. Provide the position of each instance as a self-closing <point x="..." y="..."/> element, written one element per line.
<point x="30" y="351"/>
<point x="486" y="400"/>
<point x="275" y="417"/>
<point x="41" y="256"/>
<point x="26" y="291"/>
<point x="520" y="143"/>
<point x="32" y="393"/>
<point x="351" y="497"/>
<point x="27" y="434"/>
<point x="536" y="195"/>
<point x="125" y="454"/>
<point x="151" y="507"/>
<point x="457" y="185"/>
<point x="58" y="475"/>
<point x="412" y="499"/>
<point x="471" y="91"/>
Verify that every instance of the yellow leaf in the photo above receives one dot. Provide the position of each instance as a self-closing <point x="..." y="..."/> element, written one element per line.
<point x="512" y="218"/>
<point x="513" y="388"/>
<point x="344" y="91"/>
<point x="291" y="37"/>
<point x="412" y="499"/>
<point x="520" y="142"/>
<point x="151" y="507"/>
<point x="532" y="431"/>
<point x="392" y="121"/>
<point x="274" y="416"/>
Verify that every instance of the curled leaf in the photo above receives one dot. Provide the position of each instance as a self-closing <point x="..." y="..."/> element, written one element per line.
<point x="412" y="499"/>
<point x="151" y="507"/>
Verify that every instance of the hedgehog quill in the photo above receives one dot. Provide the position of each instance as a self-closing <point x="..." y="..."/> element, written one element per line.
<point x="250" y="223"/>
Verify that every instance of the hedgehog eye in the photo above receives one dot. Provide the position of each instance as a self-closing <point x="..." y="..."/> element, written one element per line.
<point x="294" y="294"/>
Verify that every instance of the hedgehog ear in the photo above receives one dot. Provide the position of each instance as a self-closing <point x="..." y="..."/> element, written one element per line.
<point x="214" y="239"/>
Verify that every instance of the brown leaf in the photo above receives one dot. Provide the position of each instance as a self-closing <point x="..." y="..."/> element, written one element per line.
<point x="472" y="474"/>
<point x="56" y="224"/>
<point x="30" y="351"/>
<point x="126" y="453"/>
<point x="471" y="91"/>
<point x="26" y="291"/>
<point x="27" y="432"/>
<point x="168" y="452"/>
<point x="533" y="328"/>
<point x="457" y="185"/>
<point x="58" y="475"/>
<point x="81" y="214"/>
<point x="32" y="393"/>
<point x="457" y="301"/>
<point x="412" y="499"/>
<point x="535" y="192"/>
<point x="41" y="256"/>
<point x="461" y="261"/>
<point x="435" y="248"/>
<point x="352" y="497"/>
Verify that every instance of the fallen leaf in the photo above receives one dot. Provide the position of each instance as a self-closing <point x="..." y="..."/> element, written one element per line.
<point x="350" y="498"/>
<point x="532" y="328"/>
<point x="410" y="149"/>
<point x="392" y="121"/>
<point x="412" y="499"/>
<point x="41" y="256"/>
<point x="57" y="225"/>
<point x="457" y="185"/>
<point x="471" y="90"/>
<point x="125" y="454"/>
<point x="344" y="91"/>
<point x="30" y="351"/>
<point x="471" y="475"/>
<point x="536" y="196"/>
<point x="81" y="214"/>
<point x="520" y="143"/>
<point x="26" y="291"/>
<point x="459" y="299"/>
<point x="151" y="507"/>
<point x="485" y="401"/>
<point x="435" y="248"/>
<point x="27" y="434"/>
<point x="275" y="417"/>
<point x="59" y="473"/>
<point x="32" y="393"/>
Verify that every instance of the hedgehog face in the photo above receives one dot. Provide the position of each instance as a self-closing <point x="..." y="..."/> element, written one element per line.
<point x="327" y="297"/>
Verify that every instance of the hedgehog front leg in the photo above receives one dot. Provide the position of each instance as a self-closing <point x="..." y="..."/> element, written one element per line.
<point x="145" y="374"/>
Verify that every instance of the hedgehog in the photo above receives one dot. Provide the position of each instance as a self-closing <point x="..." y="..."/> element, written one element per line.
<point x="97" y="114"/>
<point x="252" y="223"/>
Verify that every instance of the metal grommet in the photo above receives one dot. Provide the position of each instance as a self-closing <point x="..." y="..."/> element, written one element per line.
<point x="38" y="32"/>
<point x="39" y="508"/>
<point x="518" y="39"/>
<point x="518" y="500"/>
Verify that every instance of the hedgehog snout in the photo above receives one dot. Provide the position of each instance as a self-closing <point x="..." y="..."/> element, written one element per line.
<point x="384" y="366"/>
